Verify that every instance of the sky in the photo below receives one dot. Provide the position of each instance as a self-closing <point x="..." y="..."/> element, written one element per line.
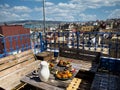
<point x="59" y="10"/>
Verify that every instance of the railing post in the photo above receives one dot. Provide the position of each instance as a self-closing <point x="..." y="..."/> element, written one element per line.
<point x="89" y="41"/>
<point x="73" y="39"/>
<point x="21" y="42"/>
<point x="30" y="46"/>
<point x="45" y="44"/>
<point x="50" y="42"/>
<point x="5" y="48"/>
<point x="54" y="38"/>
<point x="58" y="39"/>
<point x="63" y="39"/>
<point x="16" y="40"/>
<point x="95" y="34"/>
<point x="102" y="43"/>
<point x="10" y="40"/>
<point x="77" y="34"/>
<point x="41" y="42"/>
<point x="83" y="41"/>
<point x="109" y="52"/>
<point x="116" y="55"/>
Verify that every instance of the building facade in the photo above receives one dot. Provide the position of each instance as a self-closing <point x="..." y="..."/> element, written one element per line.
<point x="87" y="28"/>
<point x="14" y="37"/>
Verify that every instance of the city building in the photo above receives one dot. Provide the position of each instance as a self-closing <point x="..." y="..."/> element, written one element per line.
<point x="87" y="28"/>
<point x="14" y="37"/>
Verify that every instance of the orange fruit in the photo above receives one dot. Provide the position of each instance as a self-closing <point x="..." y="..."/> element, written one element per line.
<point x="58" y="76"/>
<point x="65" y="76"/>
<point x="67" y="71"/>
<point x="69" y="75"/>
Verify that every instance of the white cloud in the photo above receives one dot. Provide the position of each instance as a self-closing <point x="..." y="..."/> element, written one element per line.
<point x="13" y="15"/>
<point x="115" y="14"/>
<point x="67" y="5"/>
<point x="8" y="13"/>
<point x="38" y="9"/>
<point x="6" y="16"/>
<point x="32" y="0"/>
<point x="38" y="0"/>
<point x="21" y="9"/>
<point x="25" y="15"/>
<point x="4" y="13"/>
<point x="4" y="6"/>
<point x="73" y="9"/>
<point x="96" y="3"/>
<point x="85" y="17"/>
<point x="49" y="3"/>
<point x="70" y="11"/>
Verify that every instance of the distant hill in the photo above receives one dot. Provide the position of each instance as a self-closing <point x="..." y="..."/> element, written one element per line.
<point x="30" y="22"/>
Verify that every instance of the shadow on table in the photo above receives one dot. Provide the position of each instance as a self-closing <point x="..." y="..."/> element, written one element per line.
<point x="86" y="79"/>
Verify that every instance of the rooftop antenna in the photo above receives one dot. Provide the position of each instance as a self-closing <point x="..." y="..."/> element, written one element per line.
<point x="44" y="26"/>
<point x="44" y="23"/>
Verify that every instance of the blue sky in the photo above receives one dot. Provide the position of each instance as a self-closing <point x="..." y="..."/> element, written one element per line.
<point x="59" y="10"/>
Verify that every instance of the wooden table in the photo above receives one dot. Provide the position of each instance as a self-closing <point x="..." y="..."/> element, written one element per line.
<point x="52" y="83"/>
<point x="84" y="65"/>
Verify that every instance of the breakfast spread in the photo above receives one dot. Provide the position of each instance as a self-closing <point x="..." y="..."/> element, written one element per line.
<point x="63" y="75"/>
<point x="62" y="70"/>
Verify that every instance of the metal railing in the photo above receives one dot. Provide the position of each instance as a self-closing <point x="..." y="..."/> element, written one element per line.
<point x="106" y="43"/>
<point x="14" y="44"/>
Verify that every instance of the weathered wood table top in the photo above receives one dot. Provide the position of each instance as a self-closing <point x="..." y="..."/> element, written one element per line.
<point x="84" y="64"/>
<point x="52" y="83"/>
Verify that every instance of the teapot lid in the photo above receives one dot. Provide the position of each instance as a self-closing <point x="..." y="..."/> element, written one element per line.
<point x="44" y="63"/>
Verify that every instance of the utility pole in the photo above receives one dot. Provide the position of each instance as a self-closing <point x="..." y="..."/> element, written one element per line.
<point x="44" y="23"/>
<point x="44" y="28"/>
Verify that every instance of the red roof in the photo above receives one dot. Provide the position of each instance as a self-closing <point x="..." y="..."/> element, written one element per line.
<point x="9" y="30"/>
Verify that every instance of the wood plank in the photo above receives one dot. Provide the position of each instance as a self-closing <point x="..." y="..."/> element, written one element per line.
<point x="13" y="84"/>
<point x="86" y="58"/>
<point x="12" y="63"/>
<point x="24" y="58"/>
<point x="41" y="85"/>
<point x="12" y="69"/>
<point x="7" y="65"/>
<point x="7" y="80"/>
<point x="80" y="54"/>
<point x="17" y="79"/>
<point x="63" y="49"/>
<point x="24" y="53"/>
<point x="84" y="64"/>
<point x="68" y="55"/>
<point x="74" y="84"/>
<point x="21" y="71"/>
<point x="7" y="59"/>
<point x="20" y="86"/>
<point x="88" y="52"/>
<point x="46" y="55"/>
